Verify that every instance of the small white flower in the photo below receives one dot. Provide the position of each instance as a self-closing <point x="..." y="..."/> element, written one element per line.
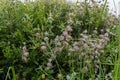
<point x="95" y="32"/>
<point x="43" y="47"/>
<point x="71" y="14"/>
<point x="26" y="54"/>
<point x="82" y="54"/>
<point x="49" y="64"/>
<point x="101" y="36"/>
<point x="24" y="58"/>
<point x="83" y="39"/>
<point x="96" y="52"/>
<point x="87" y="61"/>
<point x="24" y="49"/>
<point x="92" y="44"/>
<point x="85" y="31"/>
<point x="102" y="30"/>
<point x="37" y="35"/>
<point x="70" y="21"/>
<point x="106" y="34"/>
<point x="85" y="36"/>
<point x="68" y="77"/>
<point x="96" y="79"/>
<point x="71" y="49"/>
<point x="47" y="68"/>
<point x="109" y="74"/>
<point x="58" y="44"/>
<point x="46" y="34"/>
<point x="75" y="43"/>
<point x="101" y="51"/>
<point x="43" y="43"/>
<point x="53" y="55"/>
<point x="58" y="49"/>
<point x="108" y="30"/>
<point x="46" y="38"/>
<point x="102" y="40"/>
<point x="61" y="37"/>
<point x="50" y="60"/>
<point x="65" y="33"/>
<point x="76" y="48"/>
<point x="106" y="38"/>
<point x="68" y="28"/>
<point x="24" y="43"/>
<point x="85" y="69"/>
<point x="81" y="34"/>
<point x="57" y="38"/>
<point x="68" y="38"/>
<point x="99" y="46"/>
<point x="65" y="43"/>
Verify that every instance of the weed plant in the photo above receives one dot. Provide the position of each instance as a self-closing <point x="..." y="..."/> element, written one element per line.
<point x="56" y="40"/>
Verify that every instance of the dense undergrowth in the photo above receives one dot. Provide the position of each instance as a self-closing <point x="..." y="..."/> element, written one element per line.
<point x="55" y="40"/>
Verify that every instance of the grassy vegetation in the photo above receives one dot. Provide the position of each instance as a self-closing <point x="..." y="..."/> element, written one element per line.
<point x="56" y="40"/>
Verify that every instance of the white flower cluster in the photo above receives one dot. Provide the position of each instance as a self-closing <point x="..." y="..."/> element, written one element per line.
<point x="25" y="53"/>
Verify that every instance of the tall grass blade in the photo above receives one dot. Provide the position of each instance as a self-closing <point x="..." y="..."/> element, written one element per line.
<point x="101" y="14"/>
